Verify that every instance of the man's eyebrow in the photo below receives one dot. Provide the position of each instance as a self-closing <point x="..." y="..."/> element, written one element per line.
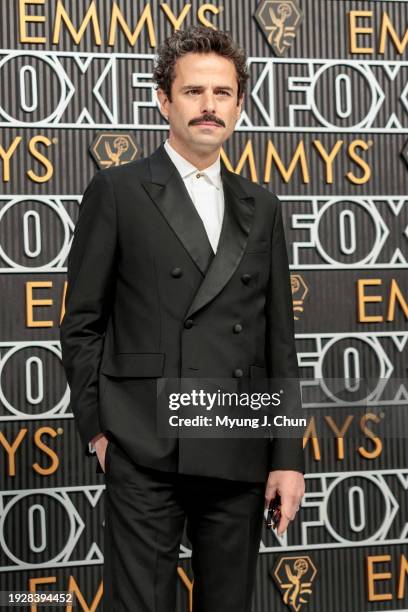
<point x="226" y="87"/>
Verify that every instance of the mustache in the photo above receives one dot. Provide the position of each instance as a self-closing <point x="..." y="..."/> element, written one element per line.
<point x="207" y="117"/>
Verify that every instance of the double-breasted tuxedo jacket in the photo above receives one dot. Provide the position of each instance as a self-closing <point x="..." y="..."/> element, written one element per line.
<point x="147" y="298"/>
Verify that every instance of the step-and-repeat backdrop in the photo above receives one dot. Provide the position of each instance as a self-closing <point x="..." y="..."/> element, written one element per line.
<point x="325" y="126"/>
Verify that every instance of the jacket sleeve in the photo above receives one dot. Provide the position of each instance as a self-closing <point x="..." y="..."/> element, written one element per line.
<point x="90" y="276"/>
<point x="286" y="453"/>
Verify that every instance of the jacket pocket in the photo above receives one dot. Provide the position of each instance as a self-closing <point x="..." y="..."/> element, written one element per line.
<point x="134" y="365"/>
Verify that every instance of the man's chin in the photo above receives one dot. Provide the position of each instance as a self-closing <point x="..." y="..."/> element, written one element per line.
<point x="209" y="139"/>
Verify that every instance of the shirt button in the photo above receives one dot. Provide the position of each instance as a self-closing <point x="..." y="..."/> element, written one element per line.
<point x="177" y="272"/>
<point x="188" y="323"/>
<point x="238" y="373"/>
<point x="237" y="328"/>
<point x="246" y="278"/>
<point x="198" y="175"/>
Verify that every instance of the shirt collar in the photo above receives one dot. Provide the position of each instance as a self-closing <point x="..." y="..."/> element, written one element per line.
<point x="185" y="168"/>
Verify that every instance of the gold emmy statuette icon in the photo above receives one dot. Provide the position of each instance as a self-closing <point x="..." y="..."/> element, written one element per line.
<point x="299" y="292"/>
<point x="113" y="149"/>
<point x="294" y="577"/>
<point x="279" y="22"/>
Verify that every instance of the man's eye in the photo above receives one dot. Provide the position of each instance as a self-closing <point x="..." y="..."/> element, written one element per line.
<point x="222" y="91"/>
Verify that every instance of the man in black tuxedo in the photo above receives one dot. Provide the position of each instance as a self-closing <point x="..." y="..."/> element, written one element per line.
<point x="179" y="268"/>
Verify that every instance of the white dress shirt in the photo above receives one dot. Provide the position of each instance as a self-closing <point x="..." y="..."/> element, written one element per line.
<point x="205" y="190"/>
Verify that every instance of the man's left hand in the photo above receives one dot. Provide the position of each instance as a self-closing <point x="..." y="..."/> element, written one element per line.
<point x="290" y="485"/>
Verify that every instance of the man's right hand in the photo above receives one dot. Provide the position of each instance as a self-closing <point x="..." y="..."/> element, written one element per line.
<point x="100" y="443"/>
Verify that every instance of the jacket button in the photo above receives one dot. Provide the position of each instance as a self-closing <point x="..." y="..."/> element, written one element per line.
<point x="246" y="278"/>
<point x="188" y="323"/>
<point x="237" y="328"/>
<point x="238" y="373"/>
<point x="177" y="272"/>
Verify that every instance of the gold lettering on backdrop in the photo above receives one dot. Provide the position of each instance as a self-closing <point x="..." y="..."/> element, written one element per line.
<point x="399" y="580"/>
<point x="395" y="296"/>
<point x="189" y="586"/>
<point x="388" y="28"/>
<point x="363" y="299"/>
<point x="359" y="162"/>
<point x="32" y="13"/>
<point x="311" y="436"/>
<point x="11" y="449"/>
<point x="38" y="435"/>
<point x="373" y="577"/>
<point x="371" y="436"/>
<point x="32" y="303"/>
<point x="298" y="156"/>
<point x="25" y="18"/>
<point x="72" y="586"/>
<point x="247" y="155"/>
<point x="356" y="31"/>
<point x="40" y="580"/>
<point x="90" y="16"/>
<point x="402" y="581"/>
<point x="176" y="22"/>
<point x="5" y="155"/>
<point x="339" y="432"/>
<point x="328" y="158"/>
<point x="301" y="158"/>
<point x="387" y="32"/>
<point x="205" y="8"/>
<point x="36" y="178"/>
<point x="359" y="33"/>
<point x="132" y="37"/>
<point x="91" y="607"/>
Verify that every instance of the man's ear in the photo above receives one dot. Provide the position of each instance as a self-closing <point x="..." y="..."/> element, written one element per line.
<point x="163" y="101"/>
<point x="240" y="105"/>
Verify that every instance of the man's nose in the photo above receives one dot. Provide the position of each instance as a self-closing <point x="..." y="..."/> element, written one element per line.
<point x="208" y="104"/>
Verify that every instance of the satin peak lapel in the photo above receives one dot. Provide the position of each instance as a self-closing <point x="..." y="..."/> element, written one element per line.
<point x="236" y="226"/>
<point x="169" y="193"/>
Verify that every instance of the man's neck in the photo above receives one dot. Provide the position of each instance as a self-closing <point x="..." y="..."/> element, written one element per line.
<point x="199" y="160"/>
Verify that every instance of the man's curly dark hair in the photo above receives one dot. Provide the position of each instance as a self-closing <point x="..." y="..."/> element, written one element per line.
<point x="197" y="39"/>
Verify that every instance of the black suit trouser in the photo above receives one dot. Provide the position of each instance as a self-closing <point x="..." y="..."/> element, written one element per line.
<point x="145" y="512"/>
